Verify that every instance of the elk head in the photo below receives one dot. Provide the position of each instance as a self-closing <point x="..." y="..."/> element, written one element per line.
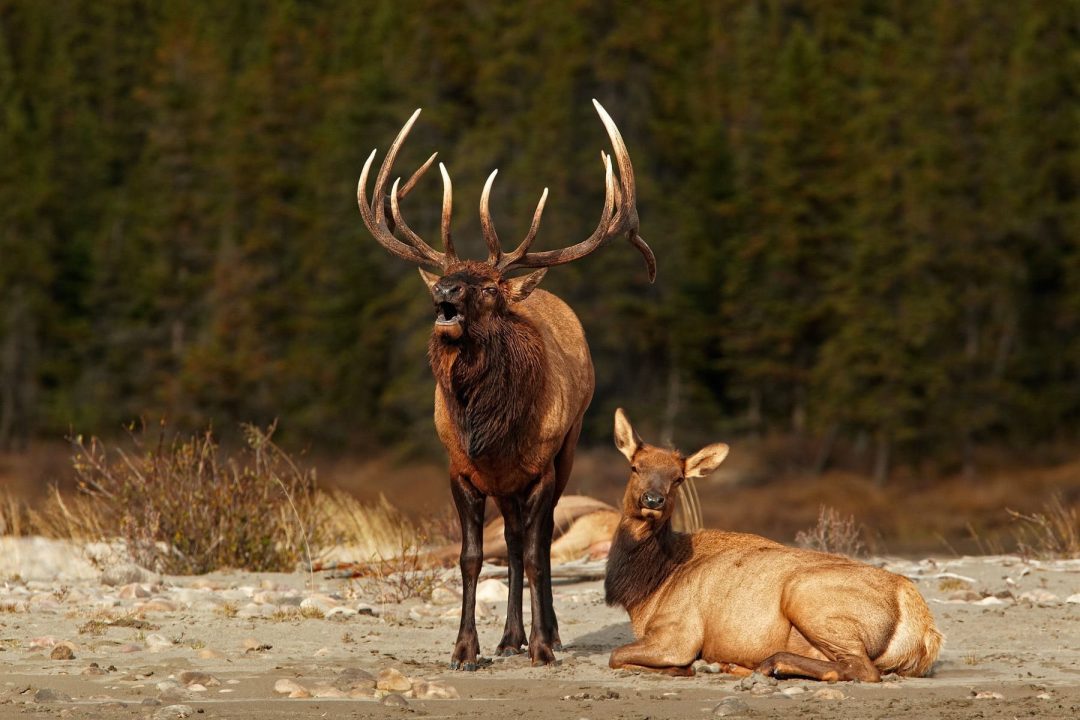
<point x="466" y="293"/>
<point x="657" y="473"/>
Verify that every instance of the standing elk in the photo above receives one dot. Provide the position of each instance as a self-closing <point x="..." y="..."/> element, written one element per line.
<point x="513" y="379"/>
<point x="747" y="602"/>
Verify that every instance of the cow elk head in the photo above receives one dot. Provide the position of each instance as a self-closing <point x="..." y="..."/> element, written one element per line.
<point x="466" y="293"/>
<point x="656" y="474"/>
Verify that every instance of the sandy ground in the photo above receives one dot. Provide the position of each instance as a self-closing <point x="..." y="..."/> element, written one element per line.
<point x="1012" y="650"/>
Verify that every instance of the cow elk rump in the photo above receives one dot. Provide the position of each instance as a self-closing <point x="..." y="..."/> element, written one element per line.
<point x="746" y="602"/>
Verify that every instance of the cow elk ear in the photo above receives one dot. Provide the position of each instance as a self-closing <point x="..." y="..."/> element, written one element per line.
<point x="429" y="278"/>
<point x="706" y="460"/>
<point x="520" y="288"/>
<point x="626" y="439"/>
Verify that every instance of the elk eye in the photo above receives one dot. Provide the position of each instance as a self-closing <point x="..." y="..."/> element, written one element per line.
<point x="490" y="290"/>
<point x="633" y="468"/>
<point x="679" y="480"/>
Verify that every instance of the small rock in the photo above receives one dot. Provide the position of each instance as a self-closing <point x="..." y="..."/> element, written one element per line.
<point x="362" y="693"/>
<point x="492" y="590"/>
<point x="793" y="691"/>
<point x="393" y="680"/>
<point x="196" y="688"/>
<point x="192" y="677"/>
<point x="130" y="648"/>
<point x="322" y="652"/>
<point x="40" y="643"/>
<point x="62" y="652"/>
<point x="157" y="643"/>
<point x="252" y="645"/>
<point x="1045" y="696"/>
<point x="965" y="595"/>
<point x="134" y="590"/>
<point x="208" y="654"/>
<point x="988" y="695"/>
<point x="320" y="602"/>
<point x="708" y="668"/>
<point x="48" y="695"/>
<point x="365" y="609"/>
<point x="395" y="700"/>
<point x="731" y="707"/>
<point x="125" y="574"/>
<point x="150" y="702"/>
<point x="328" y="691"/>
<point x="829" y="694"/>
<point x="433" y="690"/>
<point x="95" y="669"/>
<point x="285" y="686"/>
<point x="173" y="711"/>
<point x="301" y="693"/>
<point x="1040" y="597"/>
<point x="443" y="595"/>
<point x="353" y="678"/>
<point x="755" y="680"/>
<point x="1074" y="598"/>
<point x="340" y="613"/>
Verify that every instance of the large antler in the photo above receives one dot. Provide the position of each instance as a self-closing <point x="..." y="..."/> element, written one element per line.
<point x="619" y="216"/>
<point x="374" y="213"/>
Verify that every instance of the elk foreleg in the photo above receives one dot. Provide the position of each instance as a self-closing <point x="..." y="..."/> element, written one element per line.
<point x="539" y="509"/>
<point x="514" y="532"/>
<point x="656" y="656"/>
<point x="470" y="506"/>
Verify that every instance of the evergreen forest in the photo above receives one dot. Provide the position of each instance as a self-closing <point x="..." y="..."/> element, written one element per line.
<point x="864" y="213"/>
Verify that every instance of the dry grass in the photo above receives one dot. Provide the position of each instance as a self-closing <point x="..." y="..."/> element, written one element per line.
<point x="953" y="584"/>
<point x="1052" y="533"/>
<point x="182" y="508"/>
<point x="354" y="529"/>
<point x="834" y="533"/>
<point x="14" y="515"/>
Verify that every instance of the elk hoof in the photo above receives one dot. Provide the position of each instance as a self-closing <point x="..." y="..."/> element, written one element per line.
<point x="541" y="654"/>
<point x="508" y="651"/>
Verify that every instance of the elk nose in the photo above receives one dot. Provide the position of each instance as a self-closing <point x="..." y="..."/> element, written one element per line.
<point x="652" y="500"/>
<point x="447" y="292"/>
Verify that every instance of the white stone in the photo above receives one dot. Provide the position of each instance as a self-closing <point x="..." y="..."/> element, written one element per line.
<point x="492" y="590"/>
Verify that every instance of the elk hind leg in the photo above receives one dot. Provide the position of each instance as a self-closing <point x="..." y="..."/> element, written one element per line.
<point x="652" y="656"/>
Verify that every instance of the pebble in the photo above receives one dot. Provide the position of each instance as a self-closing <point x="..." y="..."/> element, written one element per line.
<point x="125" y="574"/>
<point x="1074" y="598"/>
<point x="173" y="711"/>
<point x="731" y="707"/>
<point x="340" y="613"/>
<point x="353" y="678"/>
<point x="492" y="590"/>
<point x="395" y="700"/>
<point x="443" y="595"/>
<point x="393" y="680"/>
<point x="793" y="691"/>
<point x="285" y="686"/>
<point x="157" y="643"/>
<point x="989" y="695"/>
<point x="1040" y="597"/>
<point x="829" y="694"/>
<point x="192" y="677"/>
<point x="48" y="695"/>
<point x="134" y="590"/>
<point x="62" y="652"/>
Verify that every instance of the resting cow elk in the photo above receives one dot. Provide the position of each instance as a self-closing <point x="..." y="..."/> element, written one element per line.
<point x="513" y="378"/>
<point x="747" y="602"/>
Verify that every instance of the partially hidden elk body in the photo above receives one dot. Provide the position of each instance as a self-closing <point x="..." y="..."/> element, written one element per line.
<point x="513" y="379"/>
<point x="747" y="602"/>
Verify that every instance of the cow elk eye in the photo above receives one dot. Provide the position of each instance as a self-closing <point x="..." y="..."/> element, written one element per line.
<point x="679" y="480"/>
<point x="633" y="468"/>
<point x="490" y="291"/>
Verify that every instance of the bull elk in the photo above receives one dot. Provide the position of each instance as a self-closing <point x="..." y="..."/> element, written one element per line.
<point x="747" y="602"/>
<point x="513" y="379"/>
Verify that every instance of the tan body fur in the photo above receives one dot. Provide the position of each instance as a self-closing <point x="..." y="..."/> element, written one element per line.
<point x="748" y="602"/>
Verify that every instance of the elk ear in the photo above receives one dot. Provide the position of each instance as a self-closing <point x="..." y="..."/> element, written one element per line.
<point x="706" y="460"/>
<point x="429" y="278"/>
<point x="626" y="439"/>
<point x="519" y="288"/>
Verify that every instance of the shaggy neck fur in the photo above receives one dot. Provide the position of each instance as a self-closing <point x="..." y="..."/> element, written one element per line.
<point x="640" y="562"/>
<point x="492" y="380"/>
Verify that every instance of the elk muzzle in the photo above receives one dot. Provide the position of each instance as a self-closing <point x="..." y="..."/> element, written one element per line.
<point x="449" y="299"/>
<point x="652" y="500"/>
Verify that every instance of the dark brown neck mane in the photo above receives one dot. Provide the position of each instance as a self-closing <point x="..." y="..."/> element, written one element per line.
<point x="636" y="567"/>
<point x="493" y="381"/>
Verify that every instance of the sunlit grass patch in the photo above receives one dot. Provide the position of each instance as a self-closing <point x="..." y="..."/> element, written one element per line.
<point x="833" y="533"/>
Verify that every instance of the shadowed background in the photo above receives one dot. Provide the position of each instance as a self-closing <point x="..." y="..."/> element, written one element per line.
<point x="864" y="214"/>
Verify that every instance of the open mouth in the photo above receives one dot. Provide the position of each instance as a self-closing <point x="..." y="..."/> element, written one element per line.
<point x="447" y="314"/>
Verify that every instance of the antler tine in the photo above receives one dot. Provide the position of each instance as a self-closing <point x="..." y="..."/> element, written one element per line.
<point x="520" y="250"/>
<point x="487" y="226"/>
<point x="408" y="187"/>
<point x="447" y="205"/>
<point x="432" y="255"/>
<point x="619" y="216"/>
<point x="374" y="212"/>
<point x="378" y="229"/>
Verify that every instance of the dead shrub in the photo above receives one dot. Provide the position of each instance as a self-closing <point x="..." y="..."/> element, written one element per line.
<point x="183" y="508"/>
<point x="834" y="533"/>
<point x="1052" y="533"/>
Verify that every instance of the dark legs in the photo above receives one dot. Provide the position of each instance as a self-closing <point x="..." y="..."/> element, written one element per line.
<point x="514" y="532"/>
<point x="539" y="526"/>
<point x="850" y="667"/>
<point x="470" y="507"/>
